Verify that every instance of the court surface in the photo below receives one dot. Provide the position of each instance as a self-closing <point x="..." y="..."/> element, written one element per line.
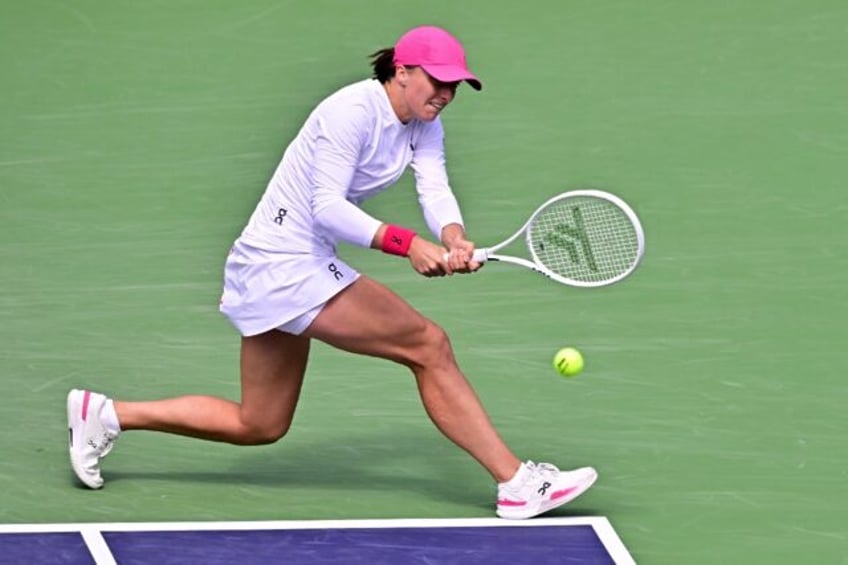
<point x="136" y="138"/>
<point x="490" y="541"/>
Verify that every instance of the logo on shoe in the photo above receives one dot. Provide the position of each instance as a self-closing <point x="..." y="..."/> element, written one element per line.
<point x="101" y="445"/>
<point x="544" y="488"/>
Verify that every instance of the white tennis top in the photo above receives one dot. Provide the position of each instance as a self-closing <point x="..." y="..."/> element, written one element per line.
<point x="351" y="147"/>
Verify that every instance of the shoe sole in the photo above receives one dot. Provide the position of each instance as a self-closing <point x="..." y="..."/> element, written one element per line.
<point x="524" y="513"/>
<point x="76" y="405"/>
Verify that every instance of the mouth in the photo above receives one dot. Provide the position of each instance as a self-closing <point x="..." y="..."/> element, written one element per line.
<point x="439" y="106"/>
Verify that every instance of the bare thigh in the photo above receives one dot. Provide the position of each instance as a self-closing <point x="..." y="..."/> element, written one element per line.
<point x="370" y="319"/>
<point x="272" y="369"/>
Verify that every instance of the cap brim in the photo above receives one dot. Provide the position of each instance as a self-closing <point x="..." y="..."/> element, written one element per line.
<point x="452" y="73"/>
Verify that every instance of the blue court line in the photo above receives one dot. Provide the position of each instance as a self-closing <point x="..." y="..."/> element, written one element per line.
<point x="587" y="540"/>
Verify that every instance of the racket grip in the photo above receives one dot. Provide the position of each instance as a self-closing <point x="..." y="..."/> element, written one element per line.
<point x="480" y="256"/>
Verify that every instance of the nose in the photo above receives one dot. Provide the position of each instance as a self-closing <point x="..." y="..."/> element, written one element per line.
<point x="447" y="92"/>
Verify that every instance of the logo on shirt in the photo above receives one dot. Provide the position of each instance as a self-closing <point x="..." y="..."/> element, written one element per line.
<point x="281" y="215"/>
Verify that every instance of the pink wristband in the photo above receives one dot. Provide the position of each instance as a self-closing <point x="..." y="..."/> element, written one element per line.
<point x="396" y="240"/>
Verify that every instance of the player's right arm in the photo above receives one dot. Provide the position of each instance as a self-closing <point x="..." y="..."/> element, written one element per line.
<point x="337" y="148"/>
<point x="426" y="257"/>
<point x="338" y="141"/>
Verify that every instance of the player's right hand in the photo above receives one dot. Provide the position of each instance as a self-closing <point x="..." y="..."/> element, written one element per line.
<point x="428" y="259"/>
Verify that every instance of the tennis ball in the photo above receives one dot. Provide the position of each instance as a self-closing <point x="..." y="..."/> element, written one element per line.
<point x="568" y="362"/>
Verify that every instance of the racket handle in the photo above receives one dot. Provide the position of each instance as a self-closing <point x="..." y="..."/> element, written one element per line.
<point x="480" y="256"/>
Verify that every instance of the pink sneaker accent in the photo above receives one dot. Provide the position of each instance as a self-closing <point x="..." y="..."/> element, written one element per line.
<point x="508" y="502"/>
<point x="560" y="493"/>
<point x="85" y="400"/>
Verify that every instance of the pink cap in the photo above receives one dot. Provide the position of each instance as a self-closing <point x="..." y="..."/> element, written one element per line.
<point x="437" y="52"/>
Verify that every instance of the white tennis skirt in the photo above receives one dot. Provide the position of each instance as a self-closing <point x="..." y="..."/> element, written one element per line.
<point x="265" y="290"/>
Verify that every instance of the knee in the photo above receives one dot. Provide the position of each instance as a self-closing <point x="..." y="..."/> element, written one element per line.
<point x="264" y="433"/>
<point x="433" y="347"/>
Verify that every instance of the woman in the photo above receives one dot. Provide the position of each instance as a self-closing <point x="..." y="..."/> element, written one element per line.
<point x="285" y="285"/>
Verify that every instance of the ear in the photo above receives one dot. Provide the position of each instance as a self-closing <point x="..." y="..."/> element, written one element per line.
<point x="401" y="75"/>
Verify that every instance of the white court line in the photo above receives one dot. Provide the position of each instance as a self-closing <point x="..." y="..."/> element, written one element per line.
<point x="97" y="545"/>
<point x="615" y="547"/>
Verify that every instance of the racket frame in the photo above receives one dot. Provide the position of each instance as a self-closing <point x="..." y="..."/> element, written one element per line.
<point x="490" y="253"/>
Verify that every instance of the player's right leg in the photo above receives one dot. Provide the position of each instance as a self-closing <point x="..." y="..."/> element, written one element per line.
<point x="368" y="318"/>
<point x="539" y="487"/>
<point x="272" y="369"/>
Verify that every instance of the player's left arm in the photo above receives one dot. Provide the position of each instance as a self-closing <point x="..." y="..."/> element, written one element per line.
<point x="437" y="200"/>
<point x="460" y="249"/>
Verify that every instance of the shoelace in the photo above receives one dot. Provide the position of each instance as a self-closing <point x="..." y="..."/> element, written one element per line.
<point x="536" y="472"/>
<point x="542" y="469"/>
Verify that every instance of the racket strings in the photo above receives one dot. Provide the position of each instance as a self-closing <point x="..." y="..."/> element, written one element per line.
<point x="584" y="238"/>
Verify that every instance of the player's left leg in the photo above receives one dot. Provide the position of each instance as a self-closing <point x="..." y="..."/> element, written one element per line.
<point x="272" y="370"/>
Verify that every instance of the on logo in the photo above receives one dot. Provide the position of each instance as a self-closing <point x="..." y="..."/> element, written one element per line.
<point x="281" y="215"/>
<point x="336" y="272"/>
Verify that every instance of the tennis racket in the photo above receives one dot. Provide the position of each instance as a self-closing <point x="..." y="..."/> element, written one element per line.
<point x="583" y="238"/>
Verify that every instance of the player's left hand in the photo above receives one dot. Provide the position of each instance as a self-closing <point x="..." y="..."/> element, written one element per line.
<point x="460" y="256"/>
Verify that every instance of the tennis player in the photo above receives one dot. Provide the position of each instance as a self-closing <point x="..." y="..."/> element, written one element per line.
<point x="284" y="284"/>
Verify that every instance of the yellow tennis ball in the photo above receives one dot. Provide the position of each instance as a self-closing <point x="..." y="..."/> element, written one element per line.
<point x="568" y="362"/>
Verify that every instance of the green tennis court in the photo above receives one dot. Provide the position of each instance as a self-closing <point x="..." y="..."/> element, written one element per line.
<point x="136" y="138"/>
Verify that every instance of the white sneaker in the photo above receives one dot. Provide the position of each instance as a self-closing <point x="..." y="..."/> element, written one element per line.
<point x="90" y="441"/>
<point x="537" y="488"/>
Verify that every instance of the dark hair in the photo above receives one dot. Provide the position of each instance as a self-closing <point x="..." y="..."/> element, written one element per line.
<point x="383" y="63"/>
